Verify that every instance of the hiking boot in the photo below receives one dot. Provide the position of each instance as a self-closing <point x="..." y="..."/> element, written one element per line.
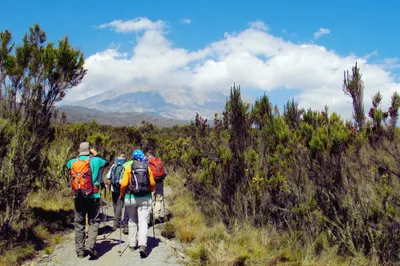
<point x="125" y="230"/>
<point x="92" y="253"/>
<point x="115" y="226"/>
<point x="143" y="251"/>
<point x="133" y="247"/>
<point x="80" y="254"/>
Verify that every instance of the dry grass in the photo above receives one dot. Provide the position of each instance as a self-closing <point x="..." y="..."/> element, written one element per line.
<point x="51" y="201"/>
<point x="15" y="255"/>
<point x="45" y="232"/>
<point x="245" y="245"/>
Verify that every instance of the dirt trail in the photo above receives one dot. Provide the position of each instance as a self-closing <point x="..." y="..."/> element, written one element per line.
<point x="162" y="251"/>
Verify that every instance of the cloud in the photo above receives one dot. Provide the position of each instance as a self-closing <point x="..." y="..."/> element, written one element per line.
<point x="134" y="25"/>
<point x="391" y="63"/>
<point x="373" y="53"/>
<point x="260" y="25"/>
<point x="320" y="33"/>
<point x="186" y="21"/>
<point x="253" y="58"/>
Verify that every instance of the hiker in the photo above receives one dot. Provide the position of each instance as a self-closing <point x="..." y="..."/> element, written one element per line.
<point x="115" y="175"/>
<point x="159" y="172"/>
<point x="84" y="170"/>
<point x="124" y="222"/>
<point x="136" y="188"/>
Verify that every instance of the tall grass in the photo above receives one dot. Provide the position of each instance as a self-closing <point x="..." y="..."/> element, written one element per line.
<point x="50" y="211"/>
<point x="211" y="243"/>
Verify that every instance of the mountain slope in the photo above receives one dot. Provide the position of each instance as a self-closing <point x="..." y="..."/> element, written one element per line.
<point x="151" y="102"/>
<point x="86" y="115"/>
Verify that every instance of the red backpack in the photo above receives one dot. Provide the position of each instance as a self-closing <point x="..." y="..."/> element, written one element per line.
<point x="157" y="168"/>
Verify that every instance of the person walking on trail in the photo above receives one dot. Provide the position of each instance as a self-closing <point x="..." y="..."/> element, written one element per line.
<point x="159" y="172"/>
<point x="136" y="188"/>
<point x="125" y="220"/>
<point x="84" y="170"/>
<point x="115" y="176"/>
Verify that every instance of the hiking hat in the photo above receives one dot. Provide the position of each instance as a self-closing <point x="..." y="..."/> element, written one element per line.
<point x="138" y="155"/>
<point x="84" y="148"/>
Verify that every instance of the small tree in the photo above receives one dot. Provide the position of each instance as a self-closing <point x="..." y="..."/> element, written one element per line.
<point x="261" y="112"/>
<point x="33" y="77"/>
<point x="394" y="113"/>
<point x="375" y="113"/>
<point x="237" y="112"/>
<point x="354" y="87"/>
<point x="292" y="114"/>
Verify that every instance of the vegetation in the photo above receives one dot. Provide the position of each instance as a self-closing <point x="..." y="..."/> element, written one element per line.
<point x="302" y="187"/>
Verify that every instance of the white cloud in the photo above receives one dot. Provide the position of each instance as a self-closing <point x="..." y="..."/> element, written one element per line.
<point x="253" y="58"/>
<point x="321" y="32"/>
<point x="391" y="63"/>
<point x="373" y="53"/>
<point x="134" y="25"/>
<point x="258" y="25"/>
<point x="186" y="21"/>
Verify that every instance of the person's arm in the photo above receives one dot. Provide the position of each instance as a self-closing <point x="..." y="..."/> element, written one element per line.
<point x="101" y="179"/>
<point x="125" y="181"/>
<point x="104" y="162"/>
<point x="152" y="181"/>
<point x="98" y="164"/>
<point x="68" y="165"/>
<point x="165" y="171"/>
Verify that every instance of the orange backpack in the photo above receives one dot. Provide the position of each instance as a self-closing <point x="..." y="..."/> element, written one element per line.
<point x="82" y="184"/>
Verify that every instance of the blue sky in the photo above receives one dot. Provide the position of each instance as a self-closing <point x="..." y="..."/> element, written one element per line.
<point x="355" y="27"/>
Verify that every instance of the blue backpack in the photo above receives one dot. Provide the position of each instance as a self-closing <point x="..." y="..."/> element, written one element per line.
<point x="117" y="171"/>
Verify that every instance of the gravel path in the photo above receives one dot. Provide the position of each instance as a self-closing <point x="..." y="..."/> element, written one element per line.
<point x="162" y="251"/>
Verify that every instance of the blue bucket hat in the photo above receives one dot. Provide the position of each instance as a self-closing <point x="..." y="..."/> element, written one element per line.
<point x="138" y="155"/>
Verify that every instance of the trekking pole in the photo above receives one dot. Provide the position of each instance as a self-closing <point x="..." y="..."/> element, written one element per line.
<point x="163" y="203"/>
<point x="109" y="196"/>
<point x="154" y="220"/>
<point x="120" y="239"/>
<point x="123" y="250"/>
<point x="105" y="199"/>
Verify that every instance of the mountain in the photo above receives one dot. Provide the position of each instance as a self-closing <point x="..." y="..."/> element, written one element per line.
<point x="182" y="107"/>
<point x="86" y="115"/>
